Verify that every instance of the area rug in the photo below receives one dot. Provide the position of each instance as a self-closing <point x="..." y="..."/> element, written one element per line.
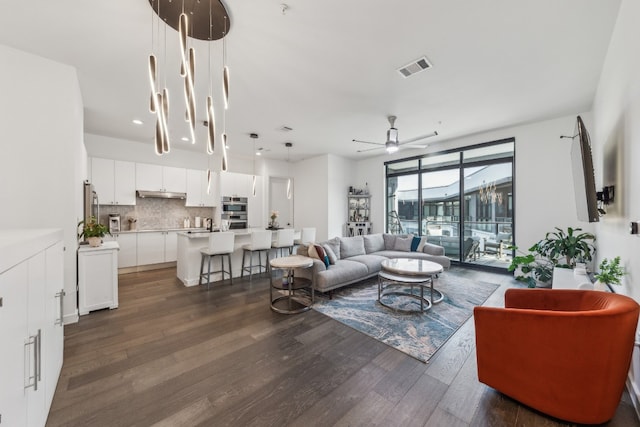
<point x="419" y="335"/>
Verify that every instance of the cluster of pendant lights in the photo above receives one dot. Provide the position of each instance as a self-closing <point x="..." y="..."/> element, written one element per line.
<point x="159" y="103"/>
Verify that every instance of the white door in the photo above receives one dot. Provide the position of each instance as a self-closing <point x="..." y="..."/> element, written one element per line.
<point x="278" y="201"/>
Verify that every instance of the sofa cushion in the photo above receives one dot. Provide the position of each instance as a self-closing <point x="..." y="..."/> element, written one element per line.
<point x="389" y="241"/>
<point x="317" y="252"/>
<point x="351" y="246"/>
<point x="403" y="244"/>
<point x="373" y="262"/>
<point x="344" y="271"/>
<point x="334" y="244"/>
<point x="332" y="255"/>
<point x="373" y="243"/>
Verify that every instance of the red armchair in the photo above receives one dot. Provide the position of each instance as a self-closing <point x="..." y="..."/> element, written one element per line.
<point x="565" y="353"/>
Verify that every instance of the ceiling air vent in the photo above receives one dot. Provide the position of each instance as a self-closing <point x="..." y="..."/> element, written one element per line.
<point x="415" y="67"/>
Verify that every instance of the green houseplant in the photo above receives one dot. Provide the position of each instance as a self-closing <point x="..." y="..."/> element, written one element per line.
<point x="532" y="267"/>
<point x="570" y="246"/>
<point x="92" y="231"/>
<point x="557" y="249"/>
<point x="610" y="272"/>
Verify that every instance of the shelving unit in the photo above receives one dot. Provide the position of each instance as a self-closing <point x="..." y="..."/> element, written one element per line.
<point x="359" y="206"/>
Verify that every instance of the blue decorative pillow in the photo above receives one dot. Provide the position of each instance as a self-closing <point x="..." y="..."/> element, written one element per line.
<point x="415" y="243"/>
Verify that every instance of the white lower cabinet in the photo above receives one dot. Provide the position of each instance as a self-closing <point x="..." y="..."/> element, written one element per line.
<point x="31" y="330"/>
<point x="128" y="253"/>
<point x="171" y="246"/>
<point x="97" y="277"/>
<point x="156" y="247"/>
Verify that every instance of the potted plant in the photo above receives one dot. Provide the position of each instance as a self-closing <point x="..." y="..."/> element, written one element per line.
<point x="532" y="268"/>
<point x="571" y="247"/>
<point x="93" y="231"/>
<point x="610" y="273"/>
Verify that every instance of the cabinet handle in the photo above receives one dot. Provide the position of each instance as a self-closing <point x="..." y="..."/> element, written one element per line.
<point x="39" y="357"/>
<point x="34" y="340"/>
<point x="60" y="295"/>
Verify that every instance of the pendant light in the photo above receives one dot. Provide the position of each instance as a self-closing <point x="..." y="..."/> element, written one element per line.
<point x="288" y="145"/>
<point x="254" y="136"/>
<point x="206" y="20"/>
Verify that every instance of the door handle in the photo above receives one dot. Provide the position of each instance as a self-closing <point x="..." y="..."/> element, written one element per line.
<point x="60" y="295"/>
<point x="34" y="340"/>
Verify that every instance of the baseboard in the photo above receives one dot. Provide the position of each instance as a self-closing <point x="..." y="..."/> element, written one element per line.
<point x="634" y="394"/>
<point x="71" y="318"/>
<point x="148" y="267"/>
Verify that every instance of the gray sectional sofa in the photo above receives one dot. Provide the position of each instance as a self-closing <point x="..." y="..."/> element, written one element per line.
<point x="352" y="259"/>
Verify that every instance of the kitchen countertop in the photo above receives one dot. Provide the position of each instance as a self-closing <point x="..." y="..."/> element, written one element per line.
<point x="200" y="234"/>
<point x="156" y="230"/>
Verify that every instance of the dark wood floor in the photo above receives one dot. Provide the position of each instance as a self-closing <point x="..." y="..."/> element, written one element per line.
<point x="176" y="356"/>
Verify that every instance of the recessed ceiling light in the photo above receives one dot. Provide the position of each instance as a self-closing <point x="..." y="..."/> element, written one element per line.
<point x="185" y="139"/>
<point x="137" y="121"/>
<point x="258" y="153"/>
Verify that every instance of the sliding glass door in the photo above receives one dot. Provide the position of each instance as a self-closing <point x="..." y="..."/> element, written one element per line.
<point x="461" y="200"/>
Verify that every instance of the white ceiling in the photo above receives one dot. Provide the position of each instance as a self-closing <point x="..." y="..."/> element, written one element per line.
<point x="327" y="68"/>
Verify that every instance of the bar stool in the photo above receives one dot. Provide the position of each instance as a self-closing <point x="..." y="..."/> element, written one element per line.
<point x="220" y="244"/>
<point x="260" y="242"/>
<point x="307" y="235"/>
<point x="283" y="240"/>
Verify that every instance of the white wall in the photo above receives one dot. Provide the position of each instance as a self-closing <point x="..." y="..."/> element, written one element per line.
<point x="43" y="162"/>
<point x="543" y="181"/>
<point x="341" y="173"/>
<point x="311" y="195"/>
<point x="616" y="144"/>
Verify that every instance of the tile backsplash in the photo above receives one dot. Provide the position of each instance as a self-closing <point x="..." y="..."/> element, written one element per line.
<point x="154" y="214"/>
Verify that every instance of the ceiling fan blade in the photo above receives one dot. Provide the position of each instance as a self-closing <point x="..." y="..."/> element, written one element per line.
<point x="418" y="138"/>
<point x="370" y="149"/>
<point x="368" y="142"/>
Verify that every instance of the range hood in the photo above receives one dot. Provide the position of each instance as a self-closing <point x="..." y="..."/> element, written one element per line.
<point x="161" y="194"/>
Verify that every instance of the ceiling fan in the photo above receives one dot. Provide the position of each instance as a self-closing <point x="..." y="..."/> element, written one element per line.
<point x="392" y="143"/>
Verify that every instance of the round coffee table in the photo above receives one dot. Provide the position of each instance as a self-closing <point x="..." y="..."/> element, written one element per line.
<point x="403" y="272"/>
<point x="291" y="302"/>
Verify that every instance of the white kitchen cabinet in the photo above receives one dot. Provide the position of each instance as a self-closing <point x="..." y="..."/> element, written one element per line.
<point x="53" y="334"/>
<point x="128" y="253"/>
<point x="174" y="179"/>
<point x="114" y="181"/>
<point x="150" y="247"/>
<point x="160" y="178"/>
<point x="97" y="277"/>
<point x="31" y="280"/>
<point x="156" y="247"/>
<point x="14" y="290"/>
<point x="197" y="189"/>
<point x="171" y="246"/>
<point x="235" y="184"/>
<point x="124" y="174"/>
<point x="148" y="177"/>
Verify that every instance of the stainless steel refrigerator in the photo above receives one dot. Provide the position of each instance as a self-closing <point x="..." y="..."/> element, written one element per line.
<point x="91" y="204"/>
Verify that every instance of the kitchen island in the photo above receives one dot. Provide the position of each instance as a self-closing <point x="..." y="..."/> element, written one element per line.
<point x="189" y="245"/>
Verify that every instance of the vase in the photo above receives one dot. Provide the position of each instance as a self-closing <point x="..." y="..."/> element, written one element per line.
<point x="94" y="242"/>
<point x="599" y="286"/>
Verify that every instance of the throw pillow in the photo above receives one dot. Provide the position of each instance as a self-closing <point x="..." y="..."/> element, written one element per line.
<point x="423" y="241"/>
<point x="351" y="246"/>
<point x="403" y="244"/>
<point x="415" y="243"/>
<point x="389" y="241"/>
<point x="316" y="251"/>
<point x="373" y="243"/>
<point x="332" y="256"/>
<point x="334" y="244"/>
